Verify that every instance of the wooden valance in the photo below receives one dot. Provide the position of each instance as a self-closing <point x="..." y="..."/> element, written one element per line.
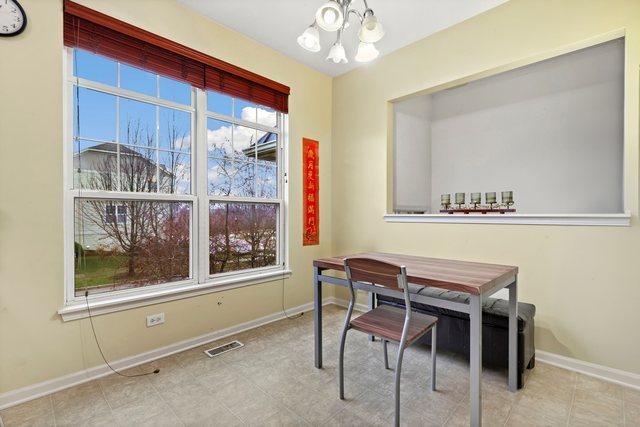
<point x="96" y="32"/>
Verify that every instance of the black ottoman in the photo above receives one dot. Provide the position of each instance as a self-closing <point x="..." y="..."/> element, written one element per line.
<point x="453" y="328"/>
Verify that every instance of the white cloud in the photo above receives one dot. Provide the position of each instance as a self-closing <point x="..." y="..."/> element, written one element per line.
<point x="220" y="139"/>
<point x="243" y="137"/>
<point x="182" y="143"/>
<point x="265" y="117"/>
<point x="228" y="140"/>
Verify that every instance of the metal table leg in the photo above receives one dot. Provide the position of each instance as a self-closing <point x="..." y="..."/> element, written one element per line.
<point x="513" y="336"/>
<point x="372" y="305"/>
<point x="434" y="344"/>
<point x="317" y="317"/>
<point x="475" y="337"/>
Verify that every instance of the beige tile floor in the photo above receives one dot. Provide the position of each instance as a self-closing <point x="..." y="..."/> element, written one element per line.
<point x="272" y="382"/>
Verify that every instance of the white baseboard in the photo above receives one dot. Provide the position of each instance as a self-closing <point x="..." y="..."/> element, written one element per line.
<point x="24" y="394"/>
<point x="44" y="388"/>
<point x="617" y="376"/>
<point x="605" y="373"/>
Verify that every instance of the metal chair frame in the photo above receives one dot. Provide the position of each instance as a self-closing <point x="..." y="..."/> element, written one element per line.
<point x="402" y="345"/>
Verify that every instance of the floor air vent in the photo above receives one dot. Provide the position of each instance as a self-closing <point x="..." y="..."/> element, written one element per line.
<point x="216" y="351"/>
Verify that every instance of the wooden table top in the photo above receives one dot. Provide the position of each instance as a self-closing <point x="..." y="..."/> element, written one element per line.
<point x="462" y="276"/>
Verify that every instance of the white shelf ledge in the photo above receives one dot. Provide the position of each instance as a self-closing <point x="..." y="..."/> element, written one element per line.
<point x="616" y="220"/>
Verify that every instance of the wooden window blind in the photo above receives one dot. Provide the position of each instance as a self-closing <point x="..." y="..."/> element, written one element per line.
<point x="96" y="32"/>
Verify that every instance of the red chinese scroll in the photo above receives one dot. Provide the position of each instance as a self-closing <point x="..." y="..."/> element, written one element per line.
<point x="310" y="193"/>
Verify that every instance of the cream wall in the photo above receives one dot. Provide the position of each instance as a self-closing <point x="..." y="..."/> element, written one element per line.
<point x="585" y="281"/>
<point x="35" y="345"/>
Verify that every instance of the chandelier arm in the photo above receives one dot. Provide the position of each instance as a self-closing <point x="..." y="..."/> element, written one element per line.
<point x="367" y="9"/>
<point x="358" y="14"/>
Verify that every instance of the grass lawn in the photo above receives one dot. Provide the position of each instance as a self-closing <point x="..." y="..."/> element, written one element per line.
<point x="97" y="270"/>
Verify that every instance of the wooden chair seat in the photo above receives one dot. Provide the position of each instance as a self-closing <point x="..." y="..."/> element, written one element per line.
<point x="387" y="323"/>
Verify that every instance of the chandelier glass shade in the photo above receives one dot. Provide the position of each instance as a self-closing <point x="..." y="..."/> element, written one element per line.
<point x="329" y="16"/>
<point x="371" y="30"/>
<point x="310" y="39"/>
<point x="366" y="52"/>
<point x="337" y="54"/>
<point x="333" y="16"/>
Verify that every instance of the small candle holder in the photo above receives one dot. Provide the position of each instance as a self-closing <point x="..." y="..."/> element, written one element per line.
<point x="507" y="198"/>
<point x="445" y="201"/>
<point x="476" y="199"/>
<point x="460" y="199"/>
<point x="490" y="198"/>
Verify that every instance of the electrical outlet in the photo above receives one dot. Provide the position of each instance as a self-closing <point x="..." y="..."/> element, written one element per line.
<point x="155" y="319"/>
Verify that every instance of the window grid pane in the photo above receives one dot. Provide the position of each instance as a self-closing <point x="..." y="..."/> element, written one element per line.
<point x="242" y="236"/>
<point x="121" y="244"/>
<point x="138" y="80"/>
<point x="219" y="138"/>
<point x="95" y="165"/>
<point x="151" y="146"/>
<point x="100" y="123"/>
<point x="95" y="67"/>
<point x="173" y="90"/>
<point x="219" y="103"/>
<point x="267" y="116"/>
<point x="246" y="147"/>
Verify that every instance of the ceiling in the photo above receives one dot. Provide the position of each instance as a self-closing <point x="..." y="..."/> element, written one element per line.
<point x="277" y="23"/>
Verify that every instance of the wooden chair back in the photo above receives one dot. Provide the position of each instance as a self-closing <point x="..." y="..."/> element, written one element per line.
<point x="360" y="269"/>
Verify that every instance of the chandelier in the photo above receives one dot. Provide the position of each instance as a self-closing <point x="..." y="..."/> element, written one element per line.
<point x="334" y="16"/>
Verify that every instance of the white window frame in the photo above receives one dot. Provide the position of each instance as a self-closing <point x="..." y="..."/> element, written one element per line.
<point x="200" y="280"/>
<point x="205" y="115"/>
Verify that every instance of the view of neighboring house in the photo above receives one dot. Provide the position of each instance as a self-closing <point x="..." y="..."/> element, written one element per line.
<point x="96" y="168"/>
<point x="267" y="146"/>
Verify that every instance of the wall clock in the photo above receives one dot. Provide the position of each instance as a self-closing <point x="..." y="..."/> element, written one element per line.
<point x="13" y="20"/>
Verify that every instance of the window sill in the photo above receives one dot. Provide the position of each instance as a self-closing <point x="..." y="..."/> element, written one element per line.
<point x="102" y="305"/>
<point x="618" y="220"/>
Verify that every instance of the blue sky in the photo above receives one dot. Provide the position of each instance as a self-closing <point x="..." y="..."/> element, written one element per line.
<point x="101" y="123"/>
<point x="99" y="120"/>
